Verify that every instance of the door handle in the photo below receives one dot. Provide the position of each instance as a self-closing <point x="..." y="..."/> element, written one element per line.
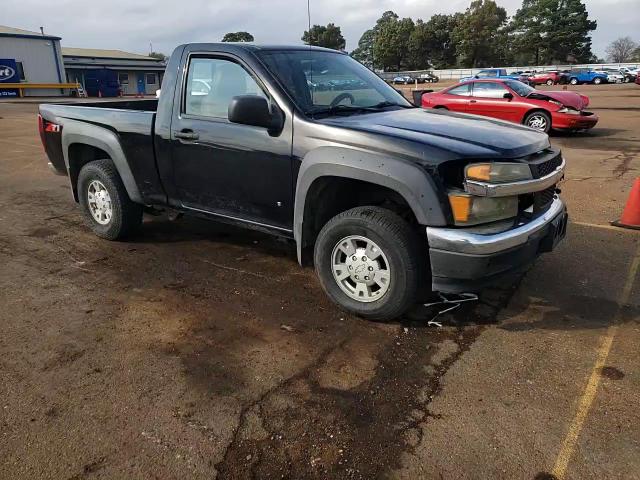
<point x="472" y="101"/>
<point x="187" y="135"/>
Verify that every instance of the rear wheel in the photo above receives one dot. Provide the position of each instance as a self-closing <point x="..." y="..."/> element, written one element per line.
<point x="549" y="82"/>
<point x="538" y="120"/>
<point x="597" y="81"/>
<point x="106" y="206"/>
<point x="573" y="81"/>
<point x="367" y="261"/>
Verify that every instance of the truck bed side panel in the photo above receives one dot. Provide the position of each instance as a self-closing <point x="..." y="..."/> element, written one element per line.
<point x="134" y="132"/>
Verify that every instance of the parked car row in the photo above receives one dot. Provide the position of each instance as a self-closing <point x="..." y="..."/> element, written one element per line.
<point x="584" y="75"/>
<point x="427" y="77"/>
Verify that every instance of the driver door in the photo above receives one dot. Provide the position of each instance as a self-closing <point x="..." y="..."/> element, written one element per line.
<point x="222" y="168"/>
<point x="487" y="98"/>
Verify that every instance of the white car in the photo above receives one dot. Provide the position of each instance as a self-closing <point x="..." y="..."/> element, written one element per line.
<point x="613" y="76"/>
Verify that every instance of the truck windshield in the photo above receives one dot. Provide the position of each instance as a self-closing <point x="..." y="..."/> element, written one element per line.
<point x="327" y="83"/>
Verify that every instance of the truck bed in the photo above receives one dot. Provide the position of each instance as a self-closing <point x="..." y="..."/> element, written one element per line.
<point x="132" y="122"/>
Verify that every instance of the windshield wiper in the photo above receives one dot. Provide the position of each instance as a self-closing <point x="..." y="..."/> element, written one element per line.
<point x="387" y="103"/>
<point x="340" y="109"/>
<point x="354" y="108"/>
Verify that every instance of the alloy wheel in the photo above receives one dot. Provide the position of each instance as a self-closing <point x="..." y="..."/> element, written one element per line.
<point x="360" y="268"/>
<point x="538" y="122"/>
<point x="99" y="202"/>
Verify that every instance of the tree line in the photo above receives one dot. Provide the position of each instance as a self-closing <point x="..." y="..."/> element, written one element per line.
<point x="542" y="32"/>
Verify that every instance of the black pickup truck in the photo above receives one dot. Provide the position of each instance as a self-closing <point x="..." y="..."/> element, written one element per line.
<point x="381" y="196"/>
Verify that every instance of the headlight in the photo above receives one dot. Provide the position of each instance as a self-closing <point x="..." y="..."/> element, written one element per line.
<point x="498" y="172"/>
<point x="471" y="210"/>
<point x="570" y="111"/>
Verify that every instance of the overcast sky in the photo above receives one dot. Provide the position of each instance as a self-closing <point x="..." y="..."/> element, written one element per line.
<point x="132" y="25"/>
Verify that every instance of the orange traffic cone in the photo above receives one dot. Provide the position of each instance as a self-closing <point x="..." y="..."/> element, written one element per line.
<point x="631" y="214"/>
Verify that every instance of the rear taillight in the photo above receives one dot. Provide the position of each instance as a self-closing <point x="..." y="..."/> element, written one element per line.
<point x="41" y="128"/>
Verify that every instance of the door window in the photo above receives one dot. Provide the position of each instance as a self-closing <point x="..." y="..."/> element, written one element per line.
<point x="20" y="71"/>
<point x="212" y="83"/>
<point x="462" y="90"/>
<point x="489" y="90"/>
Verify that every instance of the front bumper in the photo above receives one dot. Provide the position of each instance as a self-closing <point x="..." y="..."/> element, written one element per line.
<point x="463" y="260"/>
<point x="565" y="121"/>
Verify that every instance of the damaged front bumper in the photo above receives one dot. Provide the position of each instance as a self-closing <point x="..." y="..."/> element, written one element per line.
<point x="464" y="260"/>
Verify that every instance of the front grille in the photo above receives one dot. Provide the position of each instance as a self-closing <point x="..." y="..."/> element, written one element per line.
<point x="545" y="167"/>
<point x="543" y="198"/>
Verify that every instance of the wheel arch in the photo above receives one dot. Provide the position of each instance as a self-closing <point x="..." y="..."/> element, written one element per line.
<point x="328" y="171"/>
<point x="83" y="143"/>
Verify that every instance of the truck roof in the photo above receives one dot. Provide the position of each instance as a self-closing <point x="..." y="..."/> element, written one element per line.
<point x="231" y="46"/>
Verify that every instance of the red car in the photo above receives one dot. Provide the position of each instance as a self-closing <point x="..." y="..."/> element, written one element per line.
<point x="550" y="78"/>
<point x="516" y="102"/>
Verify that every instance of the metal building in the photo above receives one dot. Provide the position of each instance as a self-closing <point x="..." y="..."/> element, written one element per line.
<point x="37" y="58"/>
<point x="136" y="73"/>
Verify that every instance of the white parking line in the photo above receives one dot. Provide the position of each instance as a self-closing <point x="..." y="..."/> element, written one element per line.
<point x="570" y="441"/>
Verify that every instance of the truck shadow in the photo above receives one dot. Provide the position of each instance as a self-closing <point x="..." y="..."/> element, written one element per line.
<point x="160" y="230"/>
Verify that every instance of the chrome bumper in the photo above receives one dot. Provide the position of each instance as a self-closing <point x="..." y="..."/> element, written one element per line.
<point x="485" y="189"/>
<point x="460" y="240"/>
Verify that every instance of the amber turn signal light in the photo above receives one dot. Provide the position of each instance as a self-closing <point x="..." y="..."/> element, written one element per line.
<point x="460" y="206"/>
<point x="479" y="171"/>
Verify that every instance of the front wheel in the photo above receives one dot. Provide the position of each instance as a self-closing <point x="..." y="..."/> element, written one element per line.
<point x="106" y="206"/>
<point x="549" y="82"/>
<point x="597" y="81"/>
<point x="367" y="260"/>
<point x="573" y="81"/>
<point x="538" y="120"/>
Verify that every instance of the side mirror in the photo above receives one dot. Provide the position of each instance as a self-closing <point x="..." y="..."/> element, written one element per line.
<point x="254" y="110"/>
<point x="508" y="96"/>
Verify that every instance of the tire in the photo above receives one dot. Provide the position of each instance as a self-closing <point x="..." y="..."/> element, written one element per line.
<point x="549" y="82"/>
<point x="399" y="251"/>
<point x="538" y="120"/>
<point x="597" y="81"/>
<point x="573" y="81"/>
<point x="126" y="216"/>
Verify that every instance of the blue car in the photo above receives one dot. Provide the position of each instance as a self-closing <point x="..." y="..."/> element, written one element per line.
<point x="586" y="75"/>
<point x="500" y="73"/>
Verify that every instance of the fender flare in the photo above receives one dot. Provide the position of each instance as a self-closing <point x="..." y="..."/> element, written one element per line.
<point x="75" y="132"/>
<point x="407" y="179"/>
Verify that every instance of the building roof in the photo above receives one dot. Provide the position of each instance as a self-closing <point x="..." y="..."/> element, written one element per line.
<point x="100" y="53"/>
<point x="17" y="32"/>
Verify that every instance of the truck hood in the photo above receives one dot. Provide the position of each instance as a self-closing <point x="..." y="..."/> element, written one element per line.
<point x="461" y="134"/>
<point x="568" y="99"/>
